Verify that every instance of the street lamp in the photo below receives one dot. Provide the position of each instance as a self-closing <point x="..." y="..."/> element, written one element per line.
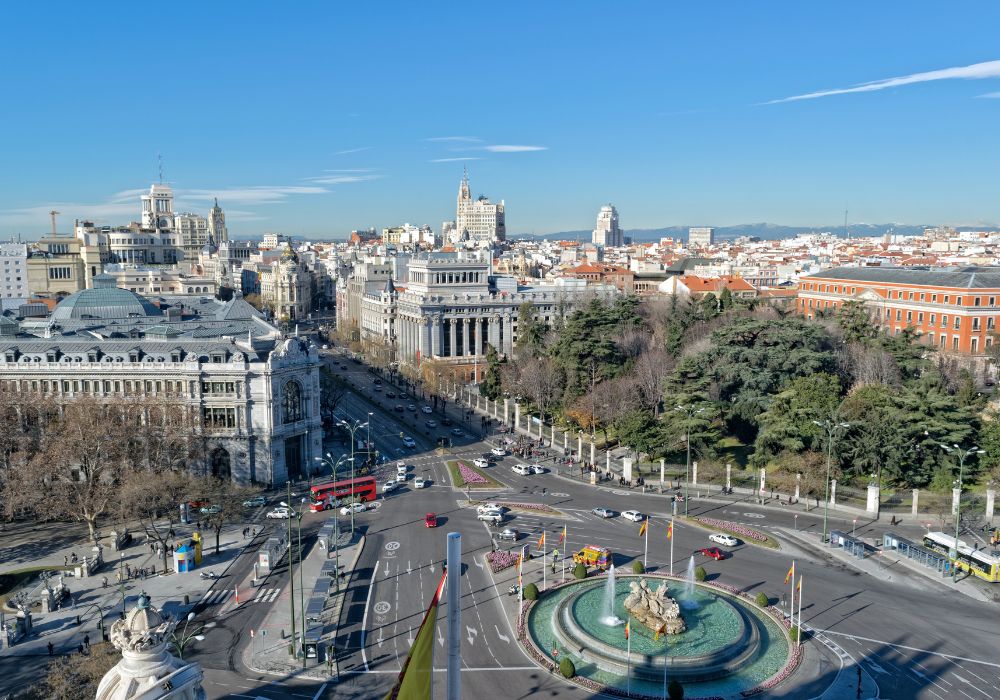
<point x="302" y="605"/>
<point x="121" y="581"/>
<point x="291" y="560"/>
<point x="962" y="456"/>
<point x="352" y="429"/>
<point x="182" y="641"/>
<point x="831" y="427"/>
<point x="690" y="412"/>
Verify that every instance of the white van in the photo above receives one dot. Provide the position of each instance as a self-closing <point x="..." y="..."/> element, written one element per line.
<point x="401" y="471"/>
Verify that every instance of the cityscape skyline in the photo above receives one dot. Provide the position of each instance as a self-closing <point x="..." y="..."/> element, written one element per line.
<point x="294" y="133"/>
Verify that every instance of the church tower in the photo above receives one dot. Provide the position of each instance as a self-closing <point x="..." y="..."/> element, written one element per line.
<point x="217" y="223"/>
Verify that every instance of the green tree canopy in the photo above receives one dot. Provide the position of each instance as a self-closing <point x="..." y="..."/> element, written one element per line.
<point x="788" y="422"/>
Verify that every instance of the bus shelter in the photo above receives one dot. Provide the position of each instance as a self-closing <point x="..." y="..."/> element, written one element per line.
<point x="919" y="553"/>
<point x="854" y="545"/>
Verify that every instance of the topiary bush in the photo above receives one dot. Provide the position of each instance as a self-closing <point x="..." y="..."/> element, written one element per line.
<point x="531" y="592"/>
<point x="699" y="573"/>
<point x="580" y="571"/>
<point x="794" y="633"/>
<point x="638" y="568"/>
<point x="762" y="599"/>
<point x="567" y="668"/>
<point x="675" y="691"/>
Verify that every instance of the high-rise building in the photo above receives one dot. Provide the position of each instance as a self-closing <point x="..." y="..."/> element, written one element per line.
<point x="13" y="275"/>
<point x="477" y="220"/>
<point x="193" y="232"/>
<point x="701" y="236"/>
<point x="158" y="208"/>
<point x="217" y="224"/>
<point x="607" y="231"/>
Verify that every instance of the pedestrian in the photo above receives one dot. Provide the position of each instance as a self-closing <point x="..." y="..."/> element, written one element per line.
<point x="86" y="641"/>
<point x="79" y="649"/>
<point x="104" y="582"/>
<point x="65" y="559"/>
<point x="51" y="649"/>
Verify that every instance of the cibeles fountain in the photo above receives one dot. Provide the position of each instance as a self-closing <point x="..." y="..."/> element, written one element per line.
<point x="148" y="671"/>
<point x="714" y="642"/>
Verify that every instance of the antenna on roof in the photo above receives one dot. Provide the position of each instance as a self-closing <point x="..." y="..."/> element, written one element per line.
<point x="159" y="158"/>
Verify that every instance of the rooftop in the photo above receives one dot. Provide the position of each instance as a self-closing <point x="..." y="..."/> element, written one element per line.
<point x="969" y="277"/>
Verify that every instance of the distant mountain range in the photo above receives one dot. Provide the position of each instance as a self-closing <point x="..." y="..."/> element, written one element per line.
<point x="763" y="230"/>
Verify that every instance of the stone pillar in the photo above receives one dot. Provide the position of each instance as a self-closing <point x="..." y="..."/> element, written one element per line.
<point x="565" y="440"/>
<point x="873" y="499"/>
<point x="956" y="495"/>
<point x="607" y="461"/>
<point x="467" y="333"/>
<point x="517" y="417"/>
<point x="798" y="485"/>
<point x="833" y="493"/>
<point x="451" y="337"/>
<point x="627" y="468"/>
<point x="729" y="476"/>
<point x="991" y="499"/>
<point x="763" y="474"/>
<point x="494" y="333"/>
<point x="593" y="452"/>
<point x="480" y="336"/>
<point x="553" y="440"/>
<point x="663" y="470"/>
<point x="506" y="411"/>
<point x="916" y="499"/>
<point x="508" y="335"/>
<point x="579" y="446"/>
<point x="436" y="336"/>
<point x="694" y="473"/>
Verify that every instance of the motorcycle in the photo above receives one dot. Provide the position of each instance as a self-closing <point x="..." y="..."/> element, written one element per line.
<point x="514" y="589"/>
<point x="208" y="574"/>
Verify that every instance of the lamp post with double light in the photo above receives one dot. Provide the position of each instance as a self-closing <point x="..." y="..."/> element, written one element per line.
<point x="689" y="412"/>
<point x="832" y="428"/>
<point x="352" y="428"/>
<point x="962" y="454"/>
<point x="181" y="641"/>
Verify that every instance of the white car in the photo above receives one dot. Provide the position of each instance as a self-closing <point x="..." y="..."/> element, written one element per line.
<point x="420" y="483"/>
<point x="481" y="463"/>
<point x="408" y="441"/>
<point x="723" y="539"/>
<point x="355" y="507"/>
<point x="633" y="515"/>
<point x="603" y="512"/>
<point x="401" y="471"/>
<point x="493" y="517"/>
<point x="537" y="468"/>
<point x="522" y="469"/>
<point x="490" y="508"/>
<point x="280" y="513"/>
<point x="426" y="409"/>
<point x="390" y="485"/>
<point x="499" y="452"/>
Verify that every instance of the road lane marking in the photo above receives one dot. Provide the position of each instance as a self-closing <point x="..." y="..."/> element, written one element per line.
<point x="903" y="646"/>
<point x="364" y="620"/>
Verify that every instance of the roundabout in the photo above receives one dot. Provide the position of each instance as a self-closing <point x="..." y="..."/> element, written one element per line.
<point x="725" y="645"/>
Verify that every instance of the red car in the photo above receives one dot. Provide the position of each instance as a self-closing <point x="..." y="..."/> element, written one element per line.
<point x="713" y="552"/>
<point x="431" y="520"/>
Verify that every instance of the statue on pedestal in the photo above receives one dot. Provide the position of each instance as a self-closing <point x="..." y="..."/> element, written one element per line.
<point x="654" y="608"/>
<point x="148" y="671"/>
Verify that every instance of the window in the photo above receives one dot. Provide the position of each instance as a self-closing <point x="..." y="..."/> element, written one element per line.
<point x="934" y="298"/>
<point x="944" y="320"/>
<point x="944" y="340"/>
<point x="946" y="297"/>
<point x="291" y="402"/>
<point x="911" y="296"/>
<point x="218" y="418"/>
<point x="990" y="323"/>
<point x="60" y="273"/>
<point x="958" y="323"/>
<point x="958" y="301"/>
<point x="933" y="319"/>
<point x="920" y="318"/>
<point x="954" y="343"/>
<point x="899" y="315"/>
<point x="975" y="301"/>
<point x="909" y="317"/>
<point x="975" y="345"/>
<point x="975" y="323"/>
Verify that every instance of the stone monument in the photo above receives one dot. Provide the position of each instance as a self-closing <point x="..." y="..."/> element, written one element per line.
<point x="654" y="608"/>
<point x="148" y="671"/>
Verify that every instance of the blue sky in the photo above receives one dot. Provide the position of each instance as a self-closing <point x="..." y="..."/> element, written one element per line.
<point x="317" y="118"/>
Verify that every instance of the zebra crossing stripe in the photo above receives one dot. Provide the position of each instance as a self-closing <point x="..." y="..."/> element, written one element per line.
<point x="274" y="595"/>
<point x="260" y="594"/>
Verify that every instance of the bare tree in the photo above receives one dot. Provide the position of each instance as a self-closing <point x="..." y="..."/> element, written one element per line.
<point x="863" y="364"/>
<point x="152" y="498"/>
<point x="540" y="380"/>
<point x="226" y="504"/>
<point x="650" y="371"/>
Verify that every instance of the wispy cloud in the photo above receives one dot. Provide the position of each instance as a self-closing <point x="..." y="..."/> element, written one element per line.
<point x="455" y="139"/>
<point x="514" y="148"/>
<point x="333" y="179"/>
<point x="990" y="96"/>
<point x="258" y="194"/>
<point x="452" y="160"/>
<point x="977" y="71"/>
<point x="353" y="150"/>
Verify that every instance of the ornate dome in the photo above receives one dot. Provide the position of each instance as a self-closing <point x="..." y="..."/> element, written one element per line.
<point x="104" y="301"/>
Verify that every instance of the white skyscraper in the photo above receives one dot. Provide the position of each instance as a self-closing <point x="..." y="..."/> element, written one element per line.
<point x="701" y="236"/>
<point x="608" y="233"/>
<point x="477" y="220"/>
<point x="158" y="208"/>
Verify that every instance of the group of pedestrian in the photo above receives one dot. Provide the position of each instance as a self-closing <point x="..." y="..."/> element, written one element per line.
<point x="139" y="573"/>
<point x="70" y="559"/>
<point x="249" y="532"/>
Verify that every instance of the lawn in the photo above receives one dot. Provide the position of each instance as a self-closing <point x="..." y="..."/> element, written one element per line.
<point x="469" y="476"/>
<point x="13" y="580"/>
<point x="741" y="532"/>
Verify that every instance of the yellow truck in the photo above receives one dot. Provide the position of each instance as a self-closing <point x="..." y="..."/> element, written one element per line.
<point x="592" y="555"/>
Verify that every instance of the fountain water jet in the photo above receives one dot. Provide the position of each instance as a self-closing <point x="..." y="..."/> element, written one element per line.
<point x="609" y="617"/>
<point x="688" y="602"/>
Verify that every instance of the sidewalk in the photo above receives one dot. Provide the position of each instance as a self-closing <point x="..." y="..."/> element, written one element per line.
<point x="91" y="601"/>
<point x="268" y="651"/>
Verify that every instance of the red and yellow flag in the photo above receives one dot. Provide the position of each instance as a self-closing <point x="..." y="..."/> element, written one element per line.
<point x="791" y="573"/>
<point x="670" y="531"/>
<point x="656" y="635"/>
<point x="562" y="537"/>
<point x="642" y="528"/>
<point x="627" y="629"/>
<point x="414" y="681"/>
<point x="799" y="587"/>
<point x="541" y="541"/>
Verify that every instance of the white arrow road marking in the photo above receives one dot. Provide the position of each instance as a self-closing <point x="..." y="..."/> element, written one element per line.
<point x="408" y="569"/>
<point x="503" y="637"/>
<point x="478" y="563"/>
<point x="432" y="567"/>
<point x="471" y="631"/>
<point x="380" y="637"/>
<point x="958" y="677"/>
<point x="387" y="569"/>
<point x="440" y="638"/>
<point x="876" y="668"/>
<point x="409" y="636"/>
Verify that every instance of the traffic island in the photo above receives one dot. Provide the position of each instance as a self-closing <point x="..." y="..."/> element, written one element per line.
<point x="466" y="476"/>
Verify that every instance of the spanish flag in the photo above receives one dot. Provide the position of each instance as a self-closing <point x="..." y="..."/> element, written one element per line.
<point x="414" y="681"/>
<point x="541" y="541"/>
<point x="656" y="635"/>
<point x="642" y="528"/>
<point x="670" y="531"/>
<point x="562" y="537"/>
<point x="791" y="573"/>
<point x="627" y="630"/>
<point x="799" y="587"/>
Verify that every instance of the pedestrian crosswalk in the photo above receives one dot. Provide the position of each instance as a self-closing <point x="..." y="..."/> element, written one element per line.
<point x="223" y="595"/>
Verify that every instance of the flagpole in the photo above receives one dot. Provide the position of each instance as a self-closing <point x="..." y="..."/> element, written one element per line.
<point x="799" y="635"/>
<point x="792" y="601"/>
<point x="544" y="545"/>
<point x="645" y="550"/>
<point x="628" y="656"/>
<point x="565" y="544"/>
<point x="671" y="547"/>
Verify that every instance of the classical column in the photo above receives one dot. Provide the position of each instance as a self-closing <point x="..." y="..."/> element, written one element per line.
<point x="422" y="333"/>
<point x="494" y="333"/>
<point x="694" y="473"/>
<point x="916" y="498"/>
<point x="451" y="336"/>
<point x="729" y="476"/>
<point x="467" y="348"/>
<point x="991" y="499"/>
<point x="508" y="335"/>
<point x="436" y="336"/>
<point x="481" y="336"/>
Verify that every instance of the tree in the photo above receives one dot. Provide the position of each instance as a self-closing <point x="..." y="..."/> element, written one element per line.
<point x="649" y="372"/>
<point x="580" y="571"/>
<point x="637" y="567"/>
<point x="492" y="384"/>
<point x="855" y="322"/>
<point x="762" y="600"/>
<point x="788" y="422"/>
<point x="540" y="380"/>
<point x="700" y="574"/>
<point x="77" y="675"/>
<point x="566" y="667"/>
<point x="530" y="331"/>
<point x="226" y="504"/>
<point x="332" y="390"/>
<point x="531" y="592"/>
<point x="152" y="497"/>
<point x="726" y="299"/>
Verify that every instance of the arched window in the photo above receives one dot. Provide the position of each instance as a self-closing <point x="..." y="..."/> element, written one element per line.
<point x="291" y="402"/>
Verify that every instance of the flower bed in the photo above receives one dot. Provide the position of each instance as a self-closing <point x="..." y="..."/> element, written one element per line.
<point x="465" y="476"/>
<point x="748" y="533"/>
<point x="470" y="476"/>
<point x="500" y="560"/>
<point x="534" y="507"/>
<point x="794" y="657"/>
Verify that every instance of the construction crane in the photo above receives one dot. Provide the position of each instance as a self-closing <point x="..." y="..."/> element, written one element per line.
<point x="54" y="214"/>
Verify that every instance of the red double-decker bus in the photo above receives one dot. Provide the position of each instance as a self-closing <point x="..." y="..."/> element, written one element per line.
<point x="330" y="494"/>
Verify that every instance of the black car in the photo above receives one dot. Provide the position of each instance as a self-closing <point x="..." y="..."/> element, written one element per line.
<point x="377" y="381"/>
<point x="390" y="395"/>
<point x="446" y="421"/>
